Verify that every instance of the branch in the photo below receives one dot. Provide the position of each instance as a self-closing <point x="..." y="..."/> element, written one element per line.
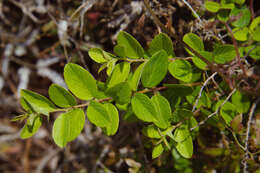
<point x="250" y="117"/>
<point x="200" y="93"/>
<point x="214" y="113"/>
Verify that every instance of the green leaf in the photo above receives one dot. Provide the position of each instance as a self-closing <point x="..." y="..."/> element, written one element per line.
<point x="240" y="2"/>
<point x="194" y="42"/>
<point x="163" y="111"/>
<point x="241" y="34"/>
<point x="254" y="23"/>
<point x="161" y="42"/>
<point x="228" y="6"/>
<point x="224" y="53"/>
<point x="179" y="89"/>
<point x="157" y="151"/>
<point x="114" y="117"/>
<point x="181" y="69"/>
<point x="244" y="16"/>
<point x="223" y="15"/>
<point x="134" y="81"/>
<point x="39" y="103"/>
<point x="155" y="69"/>
<point x="32" y="125"/>
<point x="120" y="50"/>
<point x="254" y="51"/>
<point x="119" y="74"/>
<point x="80" y="82"/>
<point x="133" y="47"/>
<point x="200" y="63"/>
<point x="203" y="101"/>
<point x="184" y="141"/>
<point x="26" y="105"/>
<point x="256" y="34"/>
<point x="61" y="96"/>
<point x="212" y="6"/>
<point x="151" y="131"/>
<point x="97" y="55"/>
<point x="68" y="126"/>
<point x="121" y="93"/>
<point x="110" y="66"/>
<point x="143" y="108"/>
<point x="98" y="115"/>
<point x="241" y="102"/>
<point x="181" y="114"/>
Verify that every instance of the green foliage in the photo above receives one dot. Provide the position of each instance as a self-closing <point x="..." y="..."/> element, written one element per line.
<point x="80" y="82"/>
<point x="155" y="69"/>
<point x="171" y="107"/>
<point x="68" y="126"/>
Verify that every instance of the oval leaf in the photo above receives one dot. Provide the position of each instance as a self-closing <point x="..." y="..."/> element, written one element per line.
<point x="80" y="82"/>
<point x="212" y="6"/>
<point x="194" y="42"/>
<point x="39" y="103"/>
<point x="97" y="55"/>
<point x="185" y="148"/>
<point x="155" y="69"/>
<point x="121" y="93"/>
<point x="61" y="96"/>
<point x="157" y="151"/>
<point x="224" y="53"/>
<point x="98" y="115"/>
<point x="163" y="111"/>
<point x="68" y="126"/>
<point x="143" y="107"/>
<point x="133" y="47"/>
<point x="161" y="42"/>
<point x="181" y="69"/>
<point x="114" y="117"/>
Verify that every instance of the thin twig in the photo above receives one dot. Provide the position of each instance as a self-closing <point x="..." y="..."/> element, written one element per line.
<point x="250" y="117"/>
<point x="201" y="89"/>
<point x="214" y="113"/>
<point x="193" y="11"/>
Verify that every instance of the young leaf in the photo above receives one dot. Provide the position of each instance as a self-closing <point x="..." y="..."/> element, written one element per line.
<point x="181" y="69"/>
<point x="151" y="131"/>
<point x="133" y="47"/>
<point x="121" y="93"/>
<point x="163" y="111"/>
<point x="98" y="115"/>
<point x="39" y="103"/>
<point x="134" y="81"/>
<point x="80" y="82"/>
<point x="26" y="105"/>
<point x="224" y="53"/>
<point x="143" y="108"/>
<point x="194" y="42"/>
<point x="212" y="6"/>
<point x="241" y="102"/>
<point x="110" y="66"/>
<point x="97" y="55"/>
<point x="32" y="125"/>
<point x="161" y="42"/>
<point x="114" y="117"/>
<point x="61" y="96"/>
<point x="155" y="69"/>
<point x="119" y="74"/>
<point x="254" y="23"/>
<point x="68" y="126"/>
<point x="157" y="151"/>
